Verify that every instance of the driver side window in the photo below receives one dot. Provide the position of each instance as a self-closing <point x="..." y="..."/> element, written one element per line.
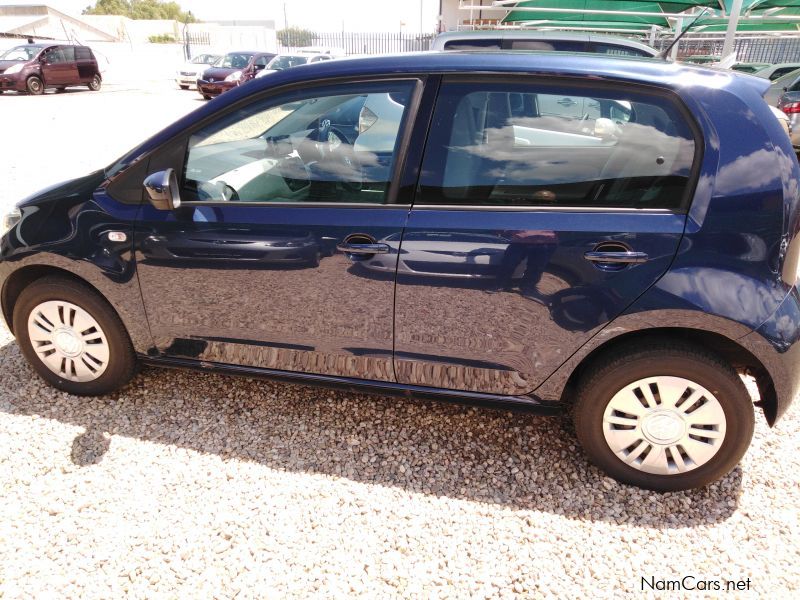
<point x="335" y="144"/>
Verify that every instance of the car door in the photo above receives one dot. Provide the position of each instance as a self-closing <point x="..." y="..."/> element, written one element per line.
<point x="59" y="66"/>
<point x="86" y="64"/>
<point x="259" y="265"/>
<point x="531" y="230"/>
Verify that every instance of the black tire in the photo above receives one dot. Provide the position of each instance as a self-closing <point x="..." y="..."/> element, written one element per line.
<point x="184" y="87"/>
<point x="122" y="362"/>
<point x="96" y="83"/>
<point x="601" y="382"/>
<point x="35" y="86"/>
<point x="61" y="90"/>
<point x="206" y="97"/>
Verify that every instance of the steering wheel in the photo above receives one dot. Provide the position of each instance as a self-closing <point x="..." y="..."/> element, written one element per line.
<point x="216" y="191"/>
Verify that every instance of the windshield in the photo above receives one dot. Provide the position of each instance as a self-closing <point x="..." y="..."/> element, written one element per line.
<point x="205" y="59"/>
<point x="284" y="62"/>
<point x="235" y="60"/>
<point x="21" y="53"/>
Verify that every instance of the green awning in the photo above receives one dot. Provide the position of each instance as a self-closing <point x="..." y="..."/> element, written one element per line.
<point x="637" y="6"/>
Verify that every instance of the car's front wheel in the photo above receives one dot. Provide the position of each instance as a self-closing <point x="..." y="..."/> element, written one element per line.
<point x="664" y="416"/>
<point x="72" y="337"/>
<point x="34" y="85"/>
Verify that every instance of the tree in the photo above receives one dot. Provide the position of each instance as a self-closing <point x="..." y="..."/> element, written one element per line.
<point x="140" y="9"/>
<point x="296" y="37"/>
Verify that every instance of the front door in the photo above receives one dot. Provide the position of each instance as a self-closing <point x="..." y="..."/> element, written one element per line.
<point x="59" y="67"/>
<point x="534" y="226"/>
<point x="283" y="199"/>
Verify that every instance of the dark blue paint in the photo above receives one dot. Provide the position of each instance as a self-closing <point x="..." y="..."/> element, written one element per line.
<point x="717" y="269"/>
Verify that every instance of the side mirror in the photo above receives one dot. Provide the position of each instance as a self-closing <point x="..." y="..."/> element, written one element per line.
<point x="162" y="189"/>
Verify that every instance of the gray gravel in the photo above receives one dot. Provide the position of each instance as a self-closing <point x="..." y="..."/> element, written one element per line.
<point x="201" y="485"/>
<point x="190" y="485"/>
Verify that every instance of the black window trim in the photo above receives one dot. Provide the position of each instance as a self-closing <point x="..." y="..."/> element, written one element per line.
<point x="580" y="83"/>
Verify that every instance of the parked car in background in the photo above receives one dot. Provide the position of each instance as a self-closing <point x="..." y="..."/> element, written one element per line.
<point x="701" y="59"/>
<point x="188" y="74"/>
<point x="287" y="61"/>
<point x="781" y="85"/>
<point x="751" y="68"/>
<point x="232" y="70"/>
<point x="786" y="123"/>
<point x="544" y="257"/>
<point x="558" y="41"/>
<point x="774" y="72"/>
<point x="789" y="104"/>
<point x="33" y="68"/>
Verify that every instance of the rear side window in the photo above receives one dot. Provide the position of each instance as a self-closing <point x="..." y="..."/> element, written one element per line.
<point x="778" y="73"/>
<point x="476" y="44"/>
<point x="614" y="50"/>
<point x="508" y="144"/>
<point x="549" y="45"/>
<point x="83" y="53"/>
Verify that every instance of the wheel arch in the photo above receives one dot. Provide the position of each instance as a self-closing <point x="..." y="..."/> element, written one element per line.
<point x="733" y="353"/>
<point x="25" y="276"/>
<point x="128" y="310"/>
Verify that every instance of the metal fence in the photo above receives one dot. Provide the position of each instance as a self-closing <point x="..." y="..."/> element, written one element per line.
<point x="361" y="43"/>
<point x="748" y="49"/>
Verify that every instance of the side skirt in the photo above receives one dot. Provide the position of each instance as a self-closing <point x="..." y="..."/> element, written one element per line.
<point x="529" y="404"/>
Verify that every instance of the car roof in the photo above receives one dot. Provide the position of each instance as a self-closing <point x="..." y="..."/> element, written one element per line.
<point x="516" y="34"/>
<point x="635" y="68"/>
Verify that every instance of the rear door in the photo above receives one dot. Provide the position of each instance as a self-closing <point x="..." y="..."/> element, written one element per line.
<point x="534" y="226"/>
<point x="86" y="64"/>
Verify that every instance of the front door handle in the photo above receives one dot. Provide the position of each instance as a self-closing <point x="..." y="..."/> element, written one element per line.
<point x="348" y="248"/>
<point x="616" y="257"/>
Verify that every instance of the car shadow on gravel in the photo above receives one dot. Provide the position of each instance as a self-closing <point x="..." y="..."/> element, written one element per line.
<point x="510" y="458"/>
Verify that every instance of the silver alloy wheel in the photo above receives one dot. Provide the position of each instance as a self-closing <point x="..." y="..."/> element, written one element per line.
<point x="664" y="425"/>
<point x="68" y="340"/>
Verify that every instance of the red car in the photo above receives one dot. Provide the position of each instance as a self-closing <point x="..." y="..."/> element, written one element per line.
<point x="233" y="70"/>
<point x="33" y="68"/>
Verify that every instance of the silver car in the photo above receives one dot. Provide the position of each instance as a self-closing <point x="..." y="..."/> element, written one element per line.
<point x="547" y="41"/>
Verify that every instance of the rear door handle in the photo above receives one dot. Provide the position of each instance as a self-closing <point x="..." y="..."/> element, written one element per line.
<point x="616" y="257"/>
<point x="363" y="248"/>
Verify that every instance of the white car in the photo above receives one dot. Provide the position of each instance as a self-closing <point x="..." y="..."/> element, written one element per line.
<point x="775" y="72"/>
<point x="186" y="76"/>
<point x="286" y="61"/>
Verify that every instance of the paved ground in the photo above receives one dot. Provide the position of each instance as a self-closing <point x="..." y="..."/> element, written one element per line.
<point x="50" y="138"/>
<point x="188" y="485"/>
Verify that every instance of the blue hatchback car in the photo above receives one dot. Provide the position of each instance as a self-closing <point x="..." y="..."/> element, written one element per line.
<point x="616" y="236"/>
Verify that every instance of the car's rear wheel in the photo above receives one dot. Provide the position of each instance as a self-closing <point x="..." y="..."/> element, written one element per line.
<point x="35" y="85"/>
<point x="72" y="337"/>
<point x="61" y="89"/>
<point x="95" y="83"/>
<point x="664" y="416"/>
<point x="184" y="87"/>
<point x="206" y="97"/>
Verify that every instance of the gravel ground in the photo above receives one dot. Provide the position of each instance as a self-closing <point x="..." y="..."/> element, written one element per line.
<point x="191" y="485"/>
